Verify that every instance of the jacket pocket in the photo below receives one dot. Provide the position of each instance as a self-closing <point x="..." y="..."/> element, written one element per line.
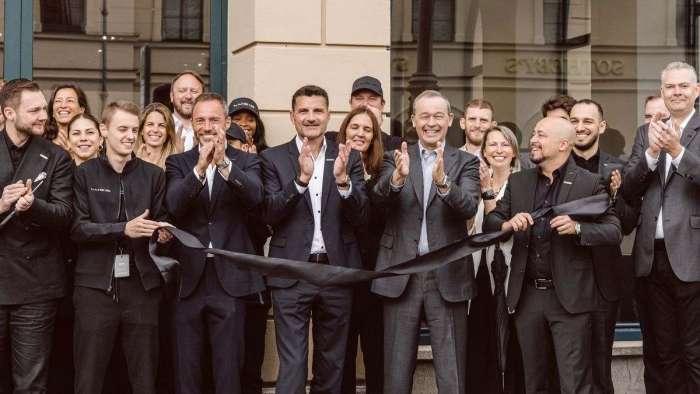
<point x="695" y="221"/>
<point x="279" y="242"/>
<point x="387" y="241"/>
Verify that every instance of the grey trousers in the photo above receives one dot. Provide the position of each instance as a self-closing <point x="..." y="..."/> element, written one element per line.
<point x="448" y="336"/>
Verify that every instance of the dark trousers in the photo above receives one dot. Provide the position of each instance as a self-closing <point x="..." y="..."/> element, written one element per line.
<point x="542" y="324"/>
<point x="209" y="321"/>
<point x="674" y="314"/>
<point x="448" y="336"/>
<point x="653" y="373"/>
<point x="366" y="324"/>
<point x="25" y="346"/>
<point x="257" y="308"/>
<point x="293" y="309"/>
<point x="100" y="321"/>
<point x="603" y="323"/>
<point x="483" y="375"/>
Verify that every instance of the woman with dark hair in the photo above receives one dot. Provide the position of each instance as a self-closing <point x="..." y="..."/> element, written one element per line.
<point x="84" y="138"/>
<point x="360" y="129"/>
<point x="67" y="100"/>
<point x="244" y="112"/>
<point x="157" y="137"/>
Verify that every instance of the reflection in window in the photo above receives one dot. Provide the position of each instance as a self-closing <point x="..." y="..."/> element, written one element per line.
<point x="552" y="21"/>
<point x="443" y="19"/>
<point x="62" y="16"/>
<point x="182" y="20"/>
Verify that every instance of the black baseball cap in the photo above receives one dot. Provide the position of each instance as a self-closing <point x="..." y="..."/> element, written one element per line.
<point x="243" y="104"/>
<point x="235" y="132"/>
<point x="367" y="83"/>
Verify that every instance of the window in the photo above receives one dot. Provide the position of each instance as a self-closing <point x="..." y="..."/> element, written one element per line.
<point x="62" y="16"/>
<point x="182" y="20"/>
<point x="443" y="19"/>
<point x="553" y="21"/>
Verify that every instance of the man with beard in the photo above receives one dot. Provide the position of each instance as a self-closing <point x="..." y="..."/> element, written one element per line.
<point x="655" y="105"/>
<point x="185" y="88"/>
<point x="551" y="289"/>
<point x="478" y="118"/>
<point x="664" y="169"/>
<point x="211" y="188"/>
<point x="315" y="199"/>
<point x="33" y="274"/>
<point x="434" y="190"/>
<point x="587" y="118"/>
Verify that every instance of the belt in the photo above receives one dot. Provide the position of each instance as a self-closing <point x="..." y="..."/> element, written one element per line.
<point x="320" y="258"/>
<point x="659" y="244"/>
<point x="541" y="283"/>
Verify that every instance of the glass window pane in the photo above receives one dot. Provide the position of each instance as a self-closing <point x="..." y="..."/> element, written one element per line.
<point x="114" y="67"/>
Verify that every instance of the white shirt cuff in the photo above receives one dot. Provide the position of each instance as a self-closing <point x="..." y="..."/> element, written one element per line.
<point x="677" y="161"/>
<point x="196" y="175"/>
<point x="300" y="189"/>
<point x="346" y="193"/>
<point x="652" y="162"/>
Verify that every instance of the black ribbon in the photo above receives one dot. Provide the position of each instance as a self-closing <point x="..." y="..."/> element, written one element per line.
<point x="330" y="275"/>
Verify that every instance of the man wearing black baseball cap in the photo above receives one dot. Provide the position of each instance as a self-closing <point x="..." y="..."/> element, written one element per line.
<point x="367" y="91"/>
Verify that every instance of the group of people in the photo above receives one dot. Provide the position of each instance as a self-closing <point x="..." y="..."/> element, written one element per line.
<point x="87" y="202"/>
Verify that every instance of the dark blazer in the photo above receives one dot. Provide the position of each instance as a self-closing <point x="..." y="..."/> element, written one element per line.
<point x="33" y="267"/>
<point x="572" y="262"/>
<point x="447" y="221"/>
<point x="96" y="228"/>
<point x="289" y="213"/>
<point x="607" y="260"/>
<point x="219" y="219"/>
<point x="680" y="197"/>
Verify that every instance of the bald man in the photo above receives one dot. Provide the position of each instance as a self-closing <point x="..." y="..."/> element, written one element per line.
<point x="551" y="290"/>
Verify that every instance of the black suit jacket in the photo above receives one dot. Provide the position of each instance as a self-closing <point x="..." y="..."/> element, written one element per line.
<point x="678" y="194"/>
<point x="33" y="267"/>
<point x="608" y="264"/>
<point x="572" y="262"/>
<point x="289" y="213"/>
<point x="219" y="219"/>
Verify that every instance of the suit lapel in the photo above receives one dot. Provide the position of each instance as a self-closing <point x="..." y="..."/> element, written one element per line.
<point x="603" y="160"/>
<point x="690" y="130"/>
<point x="567" y="182"/>
<point x="416" y="172"/>
<point x="33" y="162"/>
<point x="328" y="163"/>
<point x="294" y="160"/>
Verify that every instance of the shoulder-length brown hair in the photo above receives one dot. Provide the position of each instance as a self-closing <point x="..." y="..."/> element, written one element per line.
<point x="171" y="145"/>
<point x="512" y="141"/>
<point x="375" y="152"/>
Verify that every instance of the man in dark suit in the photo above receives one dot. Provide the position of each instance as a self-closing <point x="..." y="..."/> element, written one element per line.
<point x="314" y="199"/>
<point x="610" y="275"/>
<point x="210" y="188"/>
<point x="552" y="288"/>
<point x="664" y="169"/>
<point x="33" y="273"/>
<point x="433" y="189"/>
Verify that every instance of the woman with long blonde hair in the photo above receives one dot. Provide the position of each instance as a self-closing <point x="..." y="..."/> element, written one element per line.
<point x="157" y="138"/>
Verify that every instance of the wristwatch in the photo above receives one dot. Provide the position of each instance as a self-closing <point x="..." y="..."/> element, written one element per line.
<point x="577" y="228"/>
<point x="345" y="183"/>
<point x="445" y="183"/>
<point x="224" y="164"/>
<point x="488" y="195"/>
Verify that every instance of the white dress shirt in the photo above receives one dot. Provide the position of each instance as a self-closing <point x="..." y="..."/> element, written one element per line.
<point x="209" y="179"/>
<point x="653" y="162"/>
<point x="315" y="190"/>
<point x="186" y="133"/>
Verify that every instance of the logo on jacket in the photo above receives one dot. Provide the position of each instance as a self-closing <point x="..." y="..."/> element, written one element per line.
<point x="100" y="189"/>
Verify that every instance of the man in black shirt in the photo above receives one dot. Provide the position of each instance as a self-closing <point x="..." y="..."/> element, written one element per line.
<point x="551" y="289"/>
<point x="610" y="274"/>
<point x="33" y="277"/>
